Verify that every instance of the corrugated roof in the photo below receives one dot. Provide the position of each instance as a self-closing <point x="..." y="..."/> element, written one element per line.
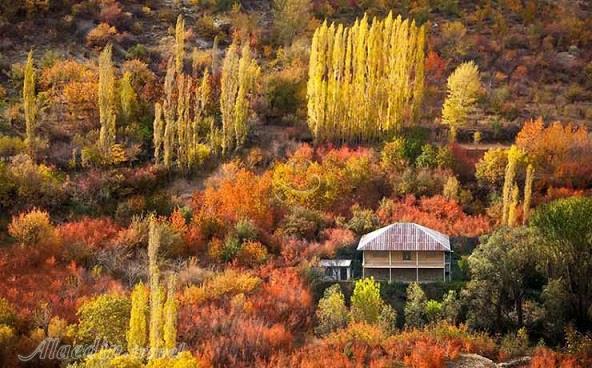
<point x="405" y="236"/>
<point x="335" y="262"/>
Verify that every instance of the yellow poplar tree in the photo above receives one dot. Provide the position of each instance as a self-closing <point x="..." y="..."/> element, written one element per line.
<point x="158" y="132"/>
<point x="138" y="328"/>
<point x="239" y="73"/>
<point x="107" y="109"/>
<point x="513" y="206"/>
<point x="170" y="317"/>
<point x="464" y="85"/>
<point x="527" y="192"/>
<point x="514" y="155"/>
<point x="366" y="80"/>
<point x="156" y="292"/>
<point x="30" y="104"/>
<point x="179" y="44"/>
<point x="127" y="96"/>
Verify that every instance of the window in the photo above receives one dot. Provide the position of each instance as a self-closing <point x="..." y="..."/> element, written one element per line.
<point x="406" y="256"/>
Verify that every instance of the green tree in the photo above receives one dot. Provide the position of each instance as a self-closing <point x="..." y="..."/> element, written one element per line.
<point x="366" y="303"/>
<point x="415" y="307"/>
<point x="502" y="269"/>
<point x="107" y="109"/>
<point x="464" y="86"/>
<point x="30" y="104"/>
<point x="433" y="311"/>
<point x="332" y="314"/>
<point x="104" y="317"/>
<point x="138" y="327"/>
<point x="565" y="226"/>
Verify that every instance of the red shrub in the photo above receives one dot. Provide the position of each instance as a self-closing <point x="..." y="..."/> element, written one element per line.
<point x="238" y="195"/>
<point x="92" y="233"/>
<point x="436" y="212"/>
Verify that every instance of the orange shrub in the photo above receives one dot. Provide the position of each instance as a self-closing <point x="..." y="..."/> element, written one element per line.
<point x="93" y="233"/>
<point x="252" y="253"/>
<point x="436" y="212"/>
<point x="562" y="152"/>
<point x="238" y="195"/>
<point x="101" y="35"/>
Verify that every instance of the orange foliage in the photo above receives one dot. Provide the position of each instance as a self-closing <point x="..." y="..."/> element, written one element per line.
<point x="436" y="213"/>
<point x="94" y="233"/>
<point x="238" y="195"/>
<point x="27" y="284"/>
<point x="545" y="358"/>
<point x="562" y="152"/>
<point x="435" y="66"/>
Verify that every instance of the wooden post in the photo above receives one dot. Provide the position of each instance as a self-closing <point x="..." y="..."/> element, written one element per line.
<point x="390" y="266"/>
<point x="363" y="264"/>
<point x="416" y="266"/>
<point x="444" y="256"/>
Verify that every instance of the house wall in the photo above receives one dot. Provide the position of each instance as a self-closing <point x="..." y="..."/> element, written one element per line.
<point x="405" y="274"/>
<point x="433" y="259"/>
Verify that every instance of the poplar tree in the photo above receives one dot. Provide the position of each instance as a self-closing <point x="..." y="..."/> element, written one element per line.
<point x="158" y="132"/>
<point x="180" y="44"/>
<point x="138" y="328"/>
<point x="527" y="192"/>
<point x="30" y="104"/>
<point x="514" y="155"/>
<point x="366" y="80"/>
<point x="239" y="73"/>
<point x="464" y="85"/>
<point x="107" y="109"/>
<point x="156" y="292"/>
<point x="513" y="206"/>
<point x="179" y="123"/>
<point x="127" y="96"/>
<point x="170" y="317"/>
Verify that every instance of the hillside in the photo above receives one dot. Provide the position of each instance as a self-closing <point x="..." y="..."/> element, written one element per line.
<point x="302" y="183"/>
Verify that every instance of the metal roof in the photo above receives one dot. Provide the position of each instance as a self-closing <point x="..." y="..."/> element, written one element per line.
<point x="335" y="262"/>
<point x="405" y="236"/>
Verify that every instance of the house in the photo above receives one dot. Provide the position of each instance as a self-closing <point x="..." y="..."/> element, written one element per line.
<point x="406" y="252"/>
<point x="336" y="269"/>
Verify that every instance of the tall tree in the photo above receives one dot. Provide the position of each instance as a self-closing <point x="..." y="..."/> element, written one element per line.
<point x="128" y="98"/>
<point x="156" y="292"/>
<point x="365" y="80"/>
<point x="566" y="229"/>
<point x="30" y="104"/>
<point x="527" y="192"/>
<point x="138" y="328"/>
<point x="170" y="317"/>
<point x="179" y="44"/>
<point x="464" y="86"/>
<point x="239" y="74"/>
<point x="502" y="268"/>
<point x="182" y="121"/>
<point x="514" y="156"/>
<point x="107" y="106"/>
